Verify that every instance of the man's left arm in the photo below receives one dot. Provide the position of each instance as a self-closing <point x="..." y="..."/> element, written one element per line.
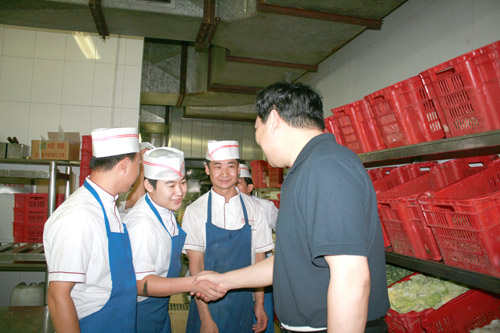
<point x="348" y="293"/>
<point x="260" y="313"/>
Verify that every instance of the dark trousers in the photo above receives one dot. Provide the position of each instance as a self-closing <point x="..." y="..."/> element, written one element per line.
<point x="372" y="326"/>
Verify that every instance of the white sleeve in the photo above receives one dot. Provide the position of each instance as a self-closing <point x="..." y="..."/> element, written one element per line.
<point x="144" y="245"/>
<point x="263" y="233"/>
<point x="194" y="226"/>
<point x="70" y="239"/>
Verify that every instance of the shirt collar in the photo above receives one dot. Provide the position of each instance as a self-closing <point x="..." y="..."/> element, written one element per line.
<point x="219" y="199"/>
<point x="105" y="197"/>
<point x="164" y="212"/>
<point x="308" y="148"/>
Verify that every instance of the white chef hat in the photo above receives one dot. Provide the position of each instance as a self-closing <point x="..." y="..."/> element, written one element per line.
<point x="222" y="150"/>
<point x="114" y="141"/>
<point x="164" y="163"/>
<point x="244" y="171"/>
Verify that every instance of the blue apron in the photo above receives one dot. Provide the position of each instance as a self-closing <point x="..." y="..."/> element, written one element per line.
<point x="227" y="250"/>
<point x="119" y="312"/>
<point x="152" y="313"/>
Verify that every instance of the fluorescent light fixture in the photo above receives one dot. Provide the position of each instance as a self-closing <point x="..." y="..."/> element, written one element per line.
<point x="86" y="44"/>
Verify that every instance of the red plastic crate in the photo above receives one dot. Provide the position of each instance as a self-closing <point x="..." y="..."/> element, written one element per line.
<point x="462" y="314"/>
<point x="378" y="173"/>
<point x="402" y="216"/>
<point x="87" y="143"/>
<point x="35" y="201"/>
<point x="332" y="126"/>
<point x="401" y="175"/>
<point x="259" y="173"/>
<point x="18" y="231"/>
<point x="405" y="113"/>
<point x="466" y="90"/>
<point x="465" y="220"/>
<point x="84" y="171"/>
<point x="275" y="176"/>
<point x="30" y="215"/>
<point x="357" y="129"/>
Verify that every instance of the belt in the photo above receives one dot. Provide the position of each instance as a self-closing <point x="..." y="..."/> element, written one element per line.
<point x="371" y="323"/>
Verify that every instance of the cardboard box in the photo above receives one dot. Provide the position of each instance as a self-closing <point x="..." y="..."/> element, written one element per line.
<point x="17" y="151"/>
<point x="67" y="149"/>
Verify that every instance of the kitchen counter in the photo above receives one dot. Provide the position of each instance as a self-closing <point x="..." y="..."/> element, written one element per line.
<point x="25" y="319"/>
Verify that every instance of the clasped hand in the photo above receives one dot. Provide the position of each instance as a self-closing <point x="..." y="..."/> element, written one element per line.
<point x="208" y="286"/>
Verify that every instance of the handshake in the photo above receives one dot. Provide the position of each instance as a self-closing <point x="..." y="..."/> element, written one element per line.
<point x="209" y="286"/>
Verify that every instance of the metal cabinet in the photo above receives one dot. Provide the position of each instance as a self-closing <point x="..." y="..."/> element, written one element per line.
<point x="30" y="257"/>
<point x="466" y="146"/>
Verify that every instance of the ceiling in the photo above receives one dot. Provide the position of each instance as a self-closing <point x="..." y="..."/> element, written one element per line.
<point x="212" y="56"/>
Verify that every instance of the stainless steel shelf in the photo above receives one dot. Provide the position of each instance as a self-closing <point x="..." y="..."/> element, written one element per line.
<point x="470" y="278"/>
<point x="22" y="252"/>
<point x="39" y="162"/>
<point x="469" y="145"/>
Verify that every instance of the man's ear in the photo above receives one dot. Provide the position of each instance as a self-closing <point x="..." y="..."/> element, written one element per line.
<point x="124" y="165"/>
<point x="207" y="169"/>
<point x="274" y="119"/>
<point x="148" y="186"/>
<point x="250" y="188"/>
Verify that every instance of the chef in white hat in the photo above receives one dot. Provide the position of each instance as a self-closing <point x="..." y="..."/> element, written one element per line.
<point x="157" y="239"/>
<point x="92" y="285"/>
<point x="128" y="199"/>
<point x="226" y="230"/>
<point x="245" y="185"/>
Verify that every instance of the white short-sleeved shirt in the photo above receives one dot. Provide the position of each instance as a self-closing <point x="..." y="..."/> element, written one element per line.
<point x="151" y="244"/>
<point x="227" y="216"/>
<point x="270" y="211"/>
<point x="76" y="247"/>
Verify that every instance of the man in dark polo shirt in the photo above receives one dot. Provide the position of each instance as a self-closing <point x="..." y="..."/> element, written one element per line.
<point x="329" y="266"/>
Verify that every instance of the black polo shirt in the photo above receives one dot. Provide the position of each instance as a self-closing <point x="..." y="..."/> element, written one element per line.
<point x="328" y="207"/>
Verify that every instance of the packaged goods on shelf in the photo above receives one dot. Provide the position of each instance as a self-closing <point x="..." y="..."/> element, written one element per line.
<point x="465" y="220"/>
<point x="402" y="216"/>
<point x="356" y="128"/>
<point x="471" y="309"/>
<point x="405" y="113"/>
<point x="466" y="91"/>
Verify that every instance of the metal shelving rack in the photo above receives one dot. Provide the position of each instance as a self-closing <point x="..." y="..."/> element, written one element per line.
<point x="471" y="145"/>
<point x="30" y="257"/>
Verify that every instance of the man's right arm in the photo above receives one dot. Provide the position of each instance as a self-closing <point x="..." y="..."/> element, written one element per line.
<point x="61" y="306"/>
<point x="257" y="275"/>
<point x="196" y="265"/>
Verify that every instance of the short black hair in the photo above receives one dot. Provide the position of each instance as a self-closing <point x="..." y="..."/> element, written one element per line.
<point x="153" y="182"/>
<point x="298" y="104"/>
<point x="107" y="163"/>
<point x="248" y="180"/>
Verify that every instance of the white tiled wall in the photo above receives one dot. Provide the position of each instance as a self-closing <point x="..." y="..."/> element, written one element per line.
<point x="47" y="82"/>
<point x="418" y="35"/>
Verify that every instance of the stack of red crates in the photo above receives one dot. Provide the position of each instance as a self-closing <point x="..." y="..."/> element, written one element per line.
<point x="466" y="91"/>
<point x="401" y="214"/>
<point x="85" y="158"/>
<point x="259" y="173"/>
<point x="405" y="113"/>
<point x="465" y="220"/>
<point x="355" y="128"/>
<point x="396" y="177"/>
<point x="30" y="214"/>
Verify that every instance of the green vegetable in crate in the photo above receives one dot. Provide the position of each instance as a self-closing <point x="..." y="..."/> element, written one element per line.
<point x="422" y="292"/>
<point x="394" y="274"/>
